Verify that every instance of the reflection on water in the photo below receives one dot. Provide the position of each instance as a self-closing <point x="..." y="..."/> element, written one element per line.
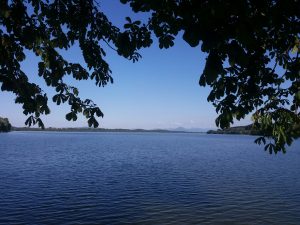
<point x="143" y="178"/>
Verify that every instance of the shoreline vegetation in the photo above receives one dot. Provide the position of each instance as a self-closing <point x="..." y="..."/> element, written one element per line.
<point x="245" y="130"/>
<point x="83" y="129"/>
<point x="5" y="126"/>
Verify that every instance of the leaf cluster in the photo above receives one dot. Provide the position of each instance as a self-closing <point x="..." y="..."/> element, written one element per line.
<point x="253" y="63"/>
<point x="48" y="27"/>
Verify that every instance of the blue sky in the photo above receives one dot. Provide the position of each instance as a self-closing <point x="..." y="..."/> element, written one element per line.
<point x="159" y="91"/>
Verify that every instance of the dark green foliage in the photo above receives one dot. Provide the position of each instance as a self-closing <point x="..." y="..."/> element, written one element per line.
<point x="5" y="126"/>
<point x="253" y="58"/>
<point x="45" y="27"/>
<point x="248" y="130"/>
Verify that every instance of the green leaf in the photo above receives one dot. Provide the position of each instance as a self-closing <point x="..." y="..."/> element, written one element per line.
<point x="191" y="38"/>
<point x="28" y="122"/>
<point x="69" y="116"/>
<point x="128" y="19"/>
<point x="295" y="49"/>
<point x="213" y="67"/>
<point x="75" y="91"/>
<point x="40" y="123"/>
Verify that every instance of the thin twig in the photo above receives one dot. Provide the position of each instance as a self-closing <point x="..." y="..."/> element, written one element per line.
<point x="109" y="45"/>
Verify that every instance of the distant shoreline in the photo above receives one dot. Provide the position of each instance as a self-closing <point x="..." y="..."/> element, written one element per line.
<point x="242" y="130"/>
<point x="239" y="130"/>
<point x="93" y="130"/>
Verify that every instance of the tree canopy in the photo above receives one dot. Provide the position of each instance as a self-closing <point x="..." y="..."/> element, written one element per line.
<point x="253" y="58"/>
<point x="252" y="64"/>
<point x="5" y="126"/>
<point x="46" y="27"/>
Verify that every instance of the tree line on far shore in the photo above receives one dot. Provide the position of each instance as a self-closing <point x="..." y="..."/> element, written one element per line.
<point x="5" y="126"/>
<point x="248" y="130"/>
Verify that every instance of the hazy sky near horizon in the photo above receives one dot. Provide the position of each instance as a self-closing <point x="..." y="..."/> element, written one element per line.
<point x="161" y="90"/>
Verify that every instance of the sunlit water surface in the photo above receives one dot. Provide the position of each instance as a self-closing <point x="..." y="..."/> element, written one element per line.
<point x="145" y="178"/>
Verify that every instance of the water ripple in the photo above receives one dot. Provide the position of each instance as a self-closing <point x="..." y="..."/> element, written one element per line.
<point x="119" y="178"/>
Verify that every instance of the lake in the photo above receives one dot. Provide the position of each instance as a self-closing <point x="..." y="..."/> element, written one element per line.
<point x="145" y="178"/>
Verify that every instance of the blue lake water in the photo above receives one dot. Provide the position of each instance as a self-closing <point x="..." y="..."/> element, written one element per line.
<point x="145" y="178"/>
